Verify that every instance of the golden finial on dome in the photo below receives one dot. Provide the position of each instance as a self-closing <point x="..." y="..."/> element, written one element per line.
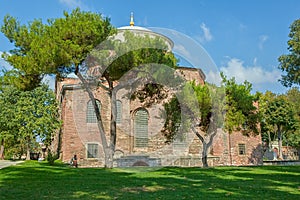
<point x="131" y="19"/>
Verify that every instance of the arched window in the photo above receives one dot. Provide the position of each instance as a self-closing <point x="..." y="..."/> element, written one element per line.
<point x="90" y="112"/>
<point x="119" y="112"/>
<point x="141" y="128"/>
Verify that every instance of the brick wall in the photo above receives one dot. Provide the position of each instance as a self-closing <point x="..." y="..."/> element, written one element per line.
<point x="226" y="147"/>
<point x="76" y="133"/>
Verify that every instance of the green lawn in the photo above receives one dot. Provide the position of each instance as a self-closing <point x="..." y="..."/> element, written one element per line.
<point x="33" y="180"/>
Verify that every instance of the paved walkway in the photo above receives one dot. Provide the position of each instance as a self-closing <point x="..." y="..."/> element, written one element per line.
<point x="6" y="163"/>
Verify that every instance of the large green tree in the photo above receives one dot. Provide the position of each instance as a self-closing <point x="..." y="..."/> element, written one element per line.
<point x="56" y="47"/>
<point x="206" y="108"/>
<point x="27" y="117"/>
<point x="135" y="61"/>
<point x="277" y="117"/>
<point x="290" y="63"/>
<point x="293" y="97"/>
<point x="79" y="42"/>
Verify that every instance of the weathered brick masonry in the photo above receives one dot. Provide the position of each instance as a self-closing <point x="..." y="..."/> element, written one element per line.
<point x="139" y="137"/>
<point x="76" y="134"/>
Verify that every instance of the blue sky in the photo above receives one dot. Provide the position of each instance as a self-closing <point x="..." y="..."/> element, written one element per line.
<point x="243" y="38"/>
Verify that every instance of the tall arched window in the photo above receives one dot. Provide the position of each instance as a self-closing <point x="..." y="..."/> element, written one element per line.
<point x="119" y="112"/>
<point x="90" y="112"/>
<point x="141" y="128"/>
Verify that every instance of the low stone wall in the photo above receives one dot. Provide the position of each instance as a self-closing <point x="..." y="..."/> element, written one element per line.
<point x="137" y="160"/>
<point x="281" y="162"/>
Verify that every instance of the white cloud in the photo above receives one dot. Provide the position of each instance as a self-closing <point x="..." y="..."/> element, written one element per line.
<point x="207" y="36"/>
<point x="74" y="4"/>
<point x="213" y="77"/>
<point x="262" y="40"/>
<point x="253" y="74"/>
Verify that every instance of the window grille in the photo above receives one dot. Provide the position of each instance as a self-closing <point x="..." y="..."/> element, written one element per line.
<point x="90" y="112"/>
<point x="141" y="128"/>
<point x="92" y="150"/>
<point x="119" y="112"/>
<point x="242" y="149"/>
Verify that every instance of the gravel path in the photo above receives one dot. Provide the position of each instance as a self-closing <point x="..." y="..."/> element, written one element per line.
<point x="6" y="163"/>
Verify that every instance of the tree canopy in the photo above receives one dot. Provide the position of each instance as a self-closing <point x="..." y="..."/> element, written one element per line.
<point x="206" y="108"/>
<point x="78" y="42"/>
<point x="56" y="47"/>
<point x="27" y="117"/>
<point x="290" y="63"/>
<point x="293" y="97"/>
<point x="278" y="118"/>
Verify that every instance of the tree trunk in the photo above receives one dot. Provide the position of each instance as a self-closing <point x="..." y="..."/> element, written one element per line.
<point x="204" y="148"/>
<point x="2" y="149"/>
<point x="28" y="152"/>
<point x="107" y="152"/>
<point x="113" y="126"/>
<point x="270" y="141"/>
<point x="229" y="148"/>
<point x="279" y="142"/>
<point x="204" y="155"/>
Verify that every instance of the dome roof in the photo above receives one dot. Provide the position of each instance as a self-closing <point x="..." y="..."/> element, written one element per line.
<point x="142" y="31"/>
<point x="134" y="28"/>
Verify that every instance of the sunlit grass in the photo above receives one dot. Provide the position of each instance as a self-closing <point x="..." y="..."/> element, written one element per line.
<point x="34" y="180"/>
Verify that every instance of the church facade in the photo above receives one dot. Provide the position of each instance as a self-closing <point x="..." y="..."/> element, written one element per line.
<point x="140" y="140"/>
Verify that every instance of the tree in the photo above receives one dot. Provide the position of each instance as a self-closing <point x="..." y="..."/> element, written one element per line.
<point x="278" y="117"/>
<point x="266" y="128"/>
<point x="290" y="63"/>
<point x="208" y="108"/>
<point x="26" y="74"/>
<point x="27" y="117"/>
<point x="7" y="129"/>
<point x="58" y="47"/>
<point x="77" y="43"/>
<point x="53" y="48"/>
<point x="293" y="97"/>
<point x="189" y="108"/>
<point x="128" y="63"/>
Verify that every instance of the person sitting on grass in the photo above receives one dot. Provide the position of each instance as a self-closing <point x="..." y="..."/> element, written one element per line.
<point x="74" y="161"/>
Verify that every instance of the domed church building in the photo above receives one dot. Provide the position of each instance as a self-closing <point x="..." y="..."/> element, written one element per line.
<point x="140" y="140"/>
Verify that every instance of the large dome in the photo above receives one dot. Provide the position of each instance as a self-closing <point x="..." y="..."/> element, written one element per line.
<point x="143" y="31"/>
<point x="134" y="28"/>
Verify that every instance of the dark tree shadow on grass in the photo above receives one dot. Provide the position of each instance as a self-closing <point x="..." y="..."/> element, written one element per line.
<point x="33" y="180"/>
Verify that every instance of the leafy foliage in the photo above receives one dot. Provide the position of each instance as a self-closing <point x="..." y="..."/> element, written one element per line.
<point x="52" y="48"/>
<point x="150" y="94"/>
<point x="75" y="43"/>
<point x="293" y="97"/>
<point x="241" y="113"/>
<point x="206" y="108"/>
<point x="291" y="63"/>
<point x="277" y="118"/>
<point x="173" y="119"/>
<point x="27" y="116"/>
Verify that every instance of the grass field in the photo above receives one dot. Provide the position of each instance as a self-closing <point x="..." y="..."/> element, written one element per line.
<point x="33" y="180"/>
